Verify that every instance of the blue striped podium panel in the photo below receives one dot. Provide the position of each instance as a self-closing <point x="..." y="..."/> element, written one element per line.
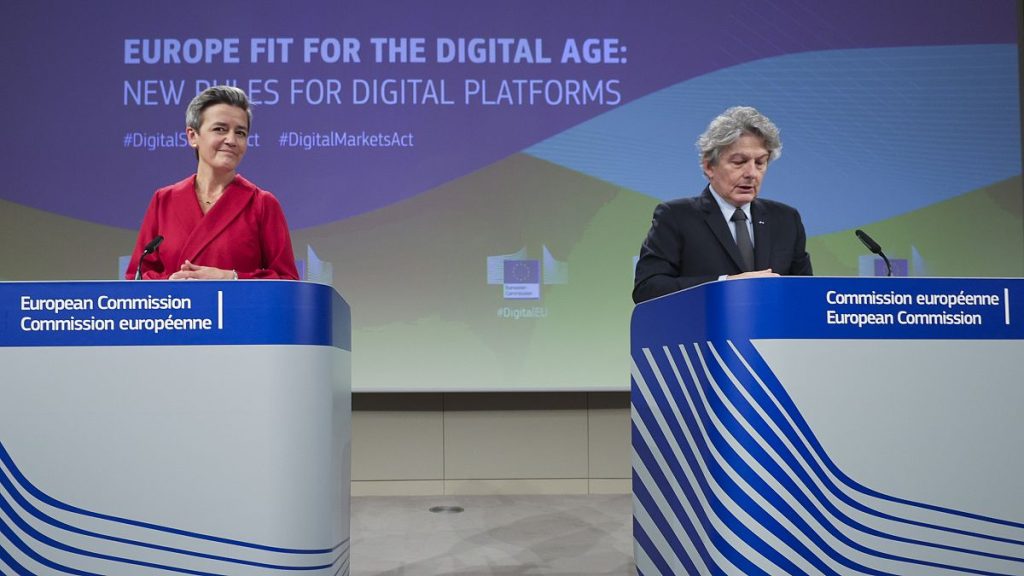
<point x="174" y="428"/>
<point x="830" y="426"/>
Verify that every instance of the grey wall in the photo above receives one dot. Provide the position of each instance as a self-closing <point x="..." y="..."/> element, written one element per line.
<point x="522" y="443"/>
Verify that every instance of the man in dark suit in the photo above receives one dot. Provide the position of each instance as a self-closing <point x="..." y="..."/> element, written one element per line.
<point x="727" y="231"/>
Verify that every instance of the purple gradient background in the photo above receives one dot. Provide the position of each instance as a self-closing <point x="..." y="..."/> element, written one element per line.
<point x="63" y="92"/>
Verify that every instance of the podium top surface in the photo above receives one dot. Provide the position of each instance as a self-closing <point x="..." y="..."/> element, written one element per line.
<point x="835" y="308"/>
<point x="166" y="313"/>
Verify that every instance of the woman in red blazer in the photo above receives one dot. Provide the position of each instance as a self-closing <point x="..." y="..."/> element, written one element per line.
<point x="215" y="224"/>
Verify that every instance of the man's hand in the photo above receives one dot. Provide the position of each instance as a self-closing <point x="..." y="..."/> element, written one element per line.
<point x="753" y="274"/>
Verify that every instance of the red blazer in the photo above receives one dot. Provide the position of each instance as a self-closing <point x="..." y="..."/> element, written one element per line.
<point x="244" y="231"/>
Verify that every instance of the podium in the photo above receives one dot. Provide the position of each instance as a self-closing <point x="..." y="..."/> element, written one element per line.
<point x="174" y="428"/>
<point x="829" y="426"/>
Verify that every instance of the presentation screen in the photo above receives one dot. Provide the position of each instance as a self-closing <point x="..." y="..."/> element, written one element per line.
<point x="476" y="178"/>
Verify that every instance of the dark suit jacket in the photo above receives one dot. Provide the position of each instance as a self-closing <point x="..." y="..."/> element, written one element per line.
<point x="690" y="243"/>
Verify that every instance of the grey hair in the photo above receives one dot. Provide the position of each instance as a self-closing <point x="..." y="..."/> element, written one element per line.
<point x="212" y="96"/>
<point x="733" y="123"/>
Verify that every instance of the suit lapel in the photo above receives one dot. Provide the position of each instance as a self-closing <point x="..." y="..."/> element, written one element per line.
<point x="230" y="206"/>
<point x="185" y="215"/>
<point x="719" y="227"/>
<point x="762" y="236"/>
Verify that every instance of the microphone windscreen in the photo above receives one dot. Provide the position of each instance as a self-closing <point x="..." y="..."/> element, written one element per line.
<point x="868" y="242"/>
<point x="153" y="244"/>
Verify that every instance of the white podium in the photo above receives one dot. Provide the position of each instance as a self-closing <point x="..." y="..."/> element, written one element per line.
<point x="830" y="426"/>
<point x="174" y="428"/>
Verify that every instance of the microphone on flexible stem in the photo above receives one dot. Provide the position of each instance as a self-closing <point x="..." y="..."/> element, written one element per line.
<point x="874" y="248"/>
<point x="149" y="249"/>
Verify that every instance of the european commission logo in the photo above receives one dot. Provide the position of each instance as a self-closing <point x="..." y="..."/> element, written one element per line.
<point x="521" y="280"/>
<point x="521" y="277"/>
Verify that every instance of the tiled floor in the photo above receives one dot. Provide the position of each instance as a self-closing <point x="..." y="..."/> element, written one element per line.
<point x="495" y="535"/>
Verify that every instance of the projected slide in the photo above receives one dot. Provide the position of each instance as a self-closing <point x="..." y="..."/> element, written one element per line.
<point x="476" y="178"/>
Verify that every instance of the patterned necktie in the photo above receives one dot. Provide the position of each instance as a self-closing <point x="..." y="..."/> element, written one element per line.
<point x="743" y="239"/>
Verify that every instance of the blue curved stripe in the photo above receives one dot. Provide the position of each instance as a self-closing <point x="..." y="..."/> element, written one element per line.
<point x="720" y="541"/>
<point x="740" y="496"/>
<point x="661" y="522"/>
<point x="753" y="436"/>
<point x="6" y="557"/>
<point x="6" y="530"/>
<point x="652" y="552"/>
<point x="38" y="514"/>
<point x="734" y="524"/>
<point x="763" y="459"/>
<point x="43" y="497"/>
<point x="662" y="483"/>
<point x="50" y="542"/>
<point x="343" y="566"/>
<point x="765" y="403"/>
<point x="761" y="367"/>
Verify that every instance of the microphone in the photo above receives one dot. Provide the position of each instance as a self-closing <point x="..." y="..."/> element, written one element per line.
<point x="149" y="249"/>
<point x="874" y="248"/>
